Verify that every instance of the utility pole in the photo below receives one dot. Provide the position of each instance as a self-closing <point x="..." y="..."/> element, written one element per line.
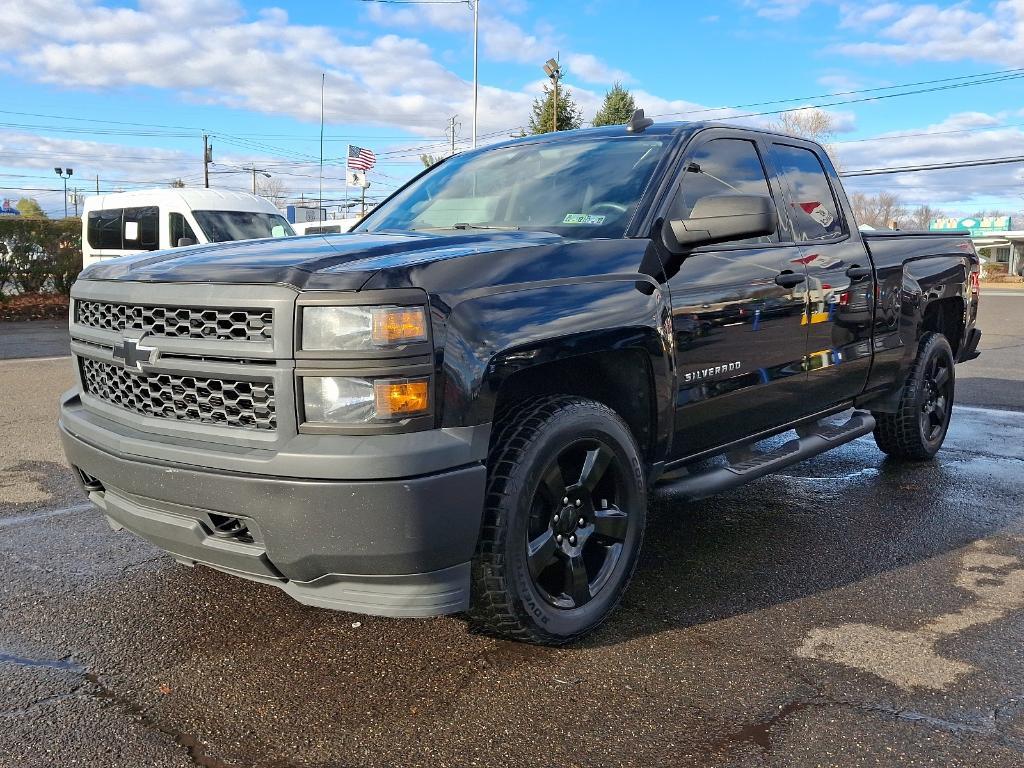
<point x="256" y="170"/>
<point x="97" y="183"/>
<point x="451" y="127"/>
<point x="207" y="159"/>
<point x="476" y="79"/>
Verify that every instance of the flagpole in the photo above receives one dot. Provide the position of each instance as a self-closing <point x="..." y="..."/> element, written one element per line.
<point x="320" y="198"/>
<point x="476" y="97"/>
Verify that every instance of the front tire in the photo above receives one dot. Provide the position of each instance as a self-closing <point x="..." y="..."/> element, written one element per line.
<point x="564" y="518"/>
<point x="918" y="428"/>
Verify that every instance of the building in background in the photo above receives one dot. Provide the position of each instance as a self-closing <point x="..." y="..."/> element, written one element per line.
<point x="997" y="242"/>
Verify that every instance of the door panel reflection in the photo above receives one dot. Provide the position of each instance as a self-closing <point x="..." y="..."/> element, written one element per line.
<point x="739" y="340"/>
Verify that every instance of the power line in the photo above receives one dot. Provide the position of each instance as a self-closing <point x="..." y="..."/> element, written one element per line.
<point x="935" y="166"/>
<point x="749" y="105"/>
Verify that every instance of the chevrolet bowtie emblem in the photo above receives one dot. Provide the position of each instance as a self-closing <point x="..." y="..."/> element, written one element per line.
<point x="133" y="354"/>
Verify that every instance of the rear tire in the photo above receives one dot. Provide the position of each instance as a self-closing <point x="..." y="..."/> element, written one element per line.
<point x="918" y="428"/>
<point x="564" y="518"/>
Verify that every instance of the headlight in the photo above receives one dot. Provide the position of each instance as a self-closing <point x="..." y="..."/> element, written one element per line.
<point x="362" y="328"/>
<point x="349" y="400"/>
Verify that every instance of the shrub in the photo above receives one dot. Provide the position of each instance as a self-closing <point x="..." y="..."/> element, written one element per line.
<point x="40" y="255"/>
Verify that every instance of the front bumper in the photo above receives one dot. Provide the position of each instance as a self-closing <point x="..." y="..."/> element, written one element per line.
<point x="384" y="544"/>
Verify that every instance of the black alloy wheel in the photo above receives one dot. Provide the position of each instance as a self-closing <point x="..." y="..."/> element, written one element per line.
<point x="918" y="426"/>
<point x="564" y="517"/>
<point x="577" y="528"/>
<point x="938" y="398"/>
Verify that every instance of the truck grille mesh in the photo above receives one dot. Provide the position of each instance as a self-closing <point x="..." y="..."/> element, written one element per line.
<point x="248" y="404"/>
<point x="178" y="322"/>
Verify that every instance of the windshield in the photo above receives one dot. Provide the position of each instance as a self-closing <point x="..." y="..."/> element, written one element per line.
<point x="584" y="188"/>
<point x="222" y="226"/>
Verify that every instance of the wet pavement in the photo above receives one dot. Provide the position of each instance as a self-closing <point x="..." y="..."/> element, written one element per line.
<point x="852" y="611"/>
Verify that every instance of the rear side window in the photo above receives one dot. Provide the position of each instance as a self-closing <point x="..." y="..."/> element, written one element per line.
<point x="125" y="229"/>
<point x="104" y="229"/>
<point x="719" y="167"/>
<point x="813" y="208"/>
<point x="180" y="228"/>
<point x="142" y="228"/>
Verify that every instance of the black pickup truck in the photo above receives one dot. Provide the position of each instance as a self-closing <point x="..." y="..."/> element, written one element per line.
<point x="463" y="405"/>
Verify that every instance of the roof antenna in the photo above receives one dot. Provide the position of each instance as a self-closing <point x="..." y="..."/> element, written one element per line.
<point x="637" y="123"/>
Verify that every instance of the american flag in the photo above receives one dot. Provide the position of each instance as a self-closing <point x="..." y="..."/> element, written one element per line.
<point x="360" y="159"/>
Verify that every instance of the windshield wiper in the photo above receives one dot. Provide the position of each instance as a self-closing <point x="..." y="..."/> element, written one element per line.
<point x="463" y="225"/>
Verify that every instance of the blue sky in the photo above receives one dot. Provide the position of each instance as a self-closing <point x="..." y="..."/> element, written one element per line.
<point x="127" y="88"/>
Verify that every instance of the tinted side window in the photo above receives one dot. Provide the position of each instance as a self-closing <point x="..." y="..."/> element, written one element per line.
<point x="813" y="210"/>
<point x="142" y="228"/>
<point x="180" y="228"/>
<point x="719" y="167"/>
<point x="104" y="229"/>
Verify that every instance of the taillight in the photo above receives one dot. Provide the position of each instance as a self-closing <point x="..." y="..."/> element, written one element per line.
<point x="975" y="281"/>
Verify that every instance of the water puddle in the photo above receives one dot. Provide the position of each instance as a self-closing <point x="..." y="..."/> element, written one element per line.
<point x="67" y="664"/>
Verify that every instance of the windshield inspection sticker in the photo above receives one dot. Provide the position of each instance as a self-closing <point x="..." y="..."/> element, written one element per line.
<point x="582" y="218"/>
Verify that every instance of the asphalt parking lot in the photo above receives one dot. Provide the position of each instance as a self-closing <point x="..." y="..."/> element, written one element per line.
<point x="852" y="611"/>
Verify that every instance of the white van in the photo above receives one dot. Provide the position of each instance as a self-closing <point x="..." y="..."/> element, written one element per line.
<point x="153" y="219"/>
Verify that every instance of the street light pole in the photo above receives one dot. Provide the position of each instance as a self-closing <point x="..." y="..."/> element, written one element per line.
<point x="476" y="82"/>
<point x="61" y="172"/>
<point x="553" y="71"/>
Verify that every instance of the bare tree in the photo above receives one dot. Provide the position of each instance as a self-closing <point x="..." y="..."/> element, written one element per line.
<point x="178" y="184"/>
<point x="810" y="123"/>
<point x="274" y="190"/>
<point x="882" y="211"/>
<point x="429" y="160"/>
<point x="923" y="215"/>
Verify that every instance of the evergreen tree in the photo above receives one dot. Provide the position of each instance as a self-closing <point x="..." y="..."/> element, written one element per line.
<point x="617" y="108"/>
<point x="569" y="115"/>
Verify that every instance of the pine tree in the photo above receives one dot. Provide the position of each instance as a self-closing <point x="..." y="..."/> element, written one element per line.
<point x="569" y="115"/>
<point x="617" y="108"/>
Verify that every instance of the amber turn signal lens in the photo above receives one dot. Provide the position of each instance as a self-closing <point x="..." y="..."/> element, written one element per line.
<point x="398" y="325"/>
<point x="401" y="397"/>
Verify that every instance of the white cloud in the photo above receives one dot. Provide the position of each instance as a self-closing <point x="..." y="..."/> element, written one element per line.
<point x="778" y="9"/>
<point x="263" y="63"/>
<point x="961" y="136"/>
<point x="592" y="70"/>
<point x="926" y="32"/>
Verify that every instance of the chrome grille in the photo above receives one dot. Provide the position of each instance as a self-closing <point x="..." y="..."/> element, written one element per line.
<point x="178" y="322"/>
<point x="247" y="404"/>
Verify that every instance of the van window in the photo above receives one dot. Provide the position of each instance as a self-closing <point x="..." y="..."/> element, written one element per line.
<point x="124" y="229"/>
<point x="813" y="210"/>
<point x="180" y="228"/>
<point x="222" y="226"/>
<point x="142" y="228"/>
<point x="104" y="229"/>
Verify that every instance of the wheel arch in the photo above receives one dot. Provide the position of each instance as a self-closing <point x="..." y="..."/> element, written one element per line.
<point x="603" y="340"/>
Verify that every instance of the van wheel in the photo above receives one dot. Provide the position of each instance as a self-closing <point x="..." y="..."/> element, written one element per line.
<point x="564" y="518"/>
<point x="918" y="428"/>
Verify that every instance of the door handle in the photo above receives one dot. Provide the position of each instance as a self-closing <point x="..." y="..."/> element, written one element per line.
<point x="789" y="279"/>
<point x="856" y="272"/>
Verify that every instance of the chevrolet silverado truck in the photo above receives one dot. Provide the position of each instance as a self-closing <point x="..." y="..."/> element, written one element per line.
<point x="462" y="405"/>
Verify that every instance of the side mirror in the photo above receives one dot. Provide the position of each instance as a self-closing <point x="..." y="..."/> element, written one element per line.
<point x="719" y="219"/>
<point x="183" y="241"/>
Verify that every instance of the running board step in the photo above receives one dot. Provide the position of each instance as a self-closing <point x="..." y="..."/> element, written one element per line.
<point x="748" y="464"/>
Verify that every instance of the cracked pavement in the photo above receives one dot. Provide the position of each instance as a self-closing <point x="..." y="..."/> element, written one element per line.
<point x="849" y="612"/>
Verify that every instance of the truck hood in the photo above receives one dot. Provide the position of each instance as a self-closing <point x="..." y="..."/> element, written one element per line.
<point x="334" y="262"/>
